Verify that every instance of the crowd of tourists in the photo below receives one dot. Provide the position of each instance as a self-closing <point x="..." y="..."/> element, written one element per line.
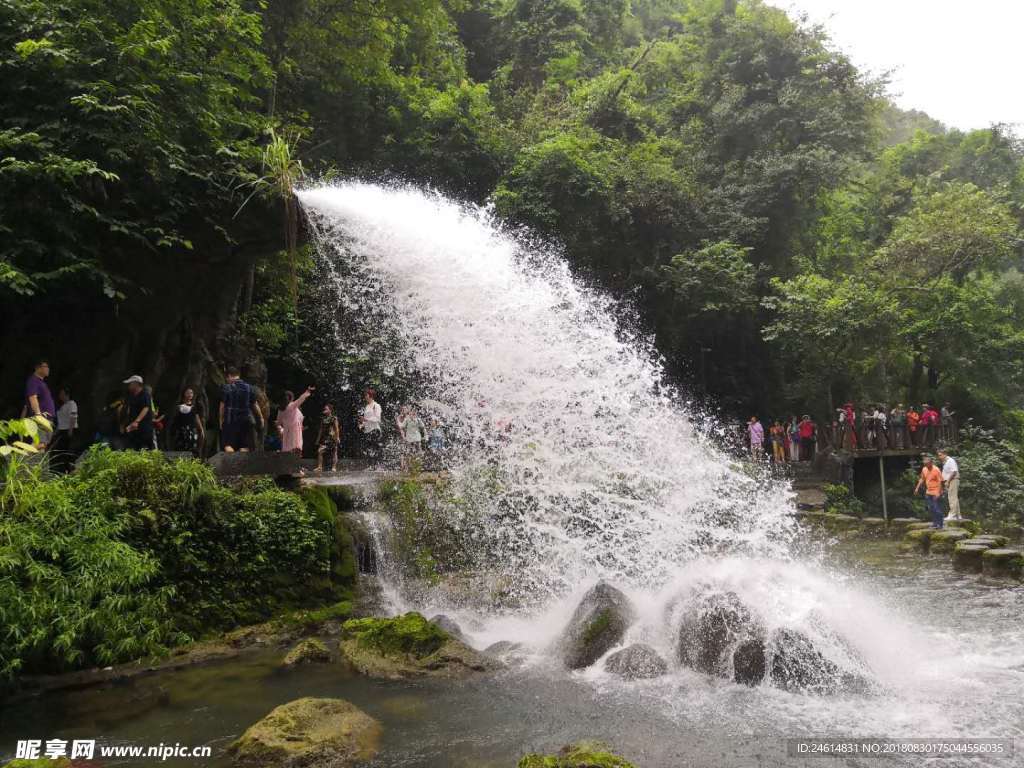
<point x="245" y="421"/>
<point x="870" y="427"/>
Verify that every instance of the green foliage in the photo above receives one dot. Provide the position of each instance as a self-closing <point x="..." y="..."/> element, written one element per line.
<point x="406" y="635"/>
<point x="583" y="755"/>
<point x="991" y="479"/>
<point x="126" y="125"/>
<point x="839" y="500"/>
<point x="715" y="279"/>
<point x="123" y="557"/>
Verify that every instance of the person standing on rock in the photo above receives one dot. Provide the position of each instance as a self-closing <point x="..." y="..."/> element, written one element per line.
<point x="808" y="430"/>
<point x="370" y="424"/>
<point x="951" y="479"/>
<point x="931" y="479"/>
<point x="238" y="413"/>
<point x="39" y="400"/>
<point x="756" y="433"/>
<point x="289" y="421"/>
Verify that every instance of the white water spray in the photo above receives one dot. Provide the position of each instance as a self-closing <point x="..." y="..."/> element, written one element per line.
<point x="594" y="467"/>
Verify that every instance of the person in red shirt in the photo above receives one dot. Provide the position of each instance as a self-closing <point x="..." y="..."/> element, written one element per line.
<point x="807" y="429"/>
<point x="913" y="419"/>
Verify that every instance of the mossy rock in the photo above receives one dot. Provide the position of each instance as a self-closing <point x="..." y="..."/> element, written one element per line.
<point x="918" y="538"/>
<point x="875" y="527"/>
<point x="967" y="556"/>
<point x="842" y="522"/>
<point x="902" y="524"/>
<point x="309" y="731"/>
<point x="968" y="525"/>
<point x="309" y="651"/>
<point x="945" y="539"/>
<point x="995" y="541"/>
<point x="919" y="525"/>
<point x="582" y="755"/>
<point x="1002" y="562"/>
<point x="39" y="762"/>
<point x="597" y="625"/>
<point x="408" y="646"/>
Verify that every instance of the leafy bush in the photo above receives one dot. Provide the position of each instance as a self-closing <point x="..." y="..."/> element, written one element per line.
<point x="839" y="500"/>
<point x="132" y="552"/>
<point x="991" y="478"/>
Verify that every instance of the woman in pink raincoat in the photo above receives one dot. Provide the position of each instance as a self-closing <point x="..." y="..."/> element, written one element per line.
<point x="289" y="421"/>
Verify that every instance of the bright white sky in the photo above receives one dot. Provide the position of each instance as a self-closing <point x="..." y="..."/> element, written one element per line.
<point x="961" y="61"/>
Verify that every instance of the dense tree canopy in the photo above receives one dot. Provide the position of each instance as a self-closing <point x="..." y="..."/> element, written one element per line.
<point x="721" y="164"/>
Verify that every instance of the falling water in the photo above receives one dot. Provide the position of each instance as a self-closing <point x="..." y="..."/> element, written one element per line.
<point x="574" y="460"/>
<point x="580" y="459"/>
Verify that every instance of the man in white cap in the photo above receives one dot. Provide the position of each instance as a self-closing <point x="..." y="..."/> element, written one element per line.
<point x="139" y="410"/>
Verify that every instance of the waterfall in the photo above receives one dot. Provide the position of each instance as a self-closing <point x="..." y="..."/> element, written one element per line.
<point x="581" y="460"/>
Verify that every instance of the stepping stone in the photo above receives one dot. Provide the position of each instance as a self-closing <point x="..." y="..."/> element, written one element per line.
<point x="842" y="522"/>
<point x="993" y="540"/>
<point x="967" y="556"/>
<point x="1002" y="562"/>
<point x="902" y="524"/>
<point x="919" y="525"/>
<point x="944" y="540"/>
<point x="875" y="527"/>
<point x="918" y="538"/>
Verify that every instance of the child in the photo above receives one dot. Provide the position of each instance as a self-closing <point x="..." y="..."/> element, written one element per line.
<point x="328" y="439"/>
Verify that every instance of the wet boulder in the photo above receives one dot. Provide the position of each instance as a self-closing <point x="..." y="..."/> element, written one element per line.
<point x="1002" y="562"/>
<point x="309" y="651"/>
<point x="637" y="662"/>
<point x="967" y="556"/>
<point x="309" y="731"/>
<point x="945" y="540"/>
<point x="750" y="662"/>
<point x="409" y="646"/>
<point x="711" y="628"/>
<point x="449" y="625"/>
<point x="582" y="755"/>
<point x="797" y="665"/>
<point x="598" y="625"/>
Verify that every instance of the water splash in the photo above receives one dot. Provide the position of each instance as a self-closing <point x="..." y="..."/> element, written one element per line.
<point x="581" y="460"/>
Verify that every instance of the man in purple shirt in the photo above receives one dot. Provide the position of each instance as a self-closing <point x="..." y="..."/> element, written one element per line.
<point x="38" y="400"/>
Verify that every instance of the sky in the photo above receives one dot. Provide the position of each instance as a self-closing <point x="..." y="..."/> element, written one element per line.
<point x="961" y="62"/>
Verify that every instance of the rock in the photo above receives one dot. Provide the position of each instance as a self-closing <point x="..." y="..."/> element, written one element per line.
<point x="582" y="755"/>
<point x="749" y="662"/>
<point x="967" y="556"/>
<point x="598" y="624"/>
<point x="715" y="624"/>
<point x="1002" y="562"/>
<point x="901" y="525"/>
<point x="449" y="625"/>
<point x="308" y="651"/>
<point x="40" y="762"/>
<point x="919" y="538"/>
<point x="918" y="525"/>
<point x="797" y="665"/>
<point x="309" y="731"/>
<point x="409" y="646"/>
<point x="944" y="540"/>
<point x="993" y="540"/>
<point x="636" y="662"/>
<point x="874" y="527"/>
<point x="506" y="652"/>
<point x="841" y="522"/>
<point x="273" y="464"/>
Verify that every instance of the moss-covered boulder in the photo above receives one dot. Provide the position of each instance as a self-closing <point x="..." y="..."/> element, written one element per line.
<point x="309" y="732"/>
<point x="945" y="540"/>
<point x="918" y="539"/>
<point x="900" y="525"/>
<point x="41" y="762"/>
<point x="841" y="522"/>
<point x="409" y="646"/>
<point x="967" y="556"/>
<point x="583" y="755"/>
<point x="637" y="662"/>
<point x="598" y="625"/>
<point x="994" y="541"/>
<point x="1002" y="562"/>
<point x="918" y="525"/>
<point x="309" y="651"/>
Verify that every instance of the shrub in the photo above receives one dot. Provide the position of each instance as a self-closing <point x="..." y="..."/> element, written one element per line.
<point x="132" y="553"/>
<point x="839" y="500"/>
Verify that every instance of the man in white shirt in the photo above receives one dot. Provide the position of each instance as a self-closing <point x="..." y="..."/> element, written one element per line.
<point x="67" y="423"/>
<point x="951" y="479"/>
<point x="369" y="423"/>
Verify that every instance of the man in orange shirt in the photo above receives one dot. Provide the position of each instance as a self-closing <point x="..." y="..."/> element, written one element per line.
<point x="931" y="479"/>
